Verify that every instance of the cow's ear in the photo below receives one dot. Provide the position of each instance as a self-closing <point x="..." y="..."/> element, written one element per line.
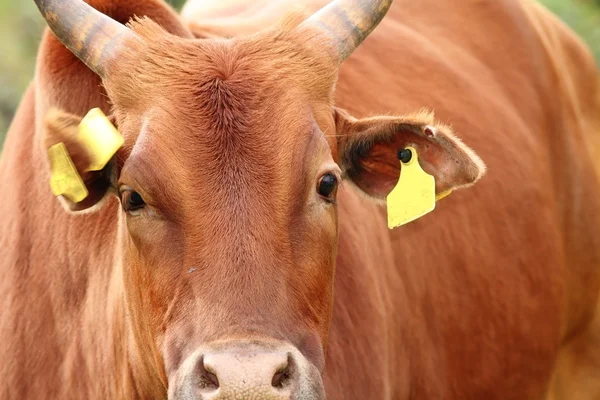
<point x="368" y="151"/>
<point x="62" y="127"/>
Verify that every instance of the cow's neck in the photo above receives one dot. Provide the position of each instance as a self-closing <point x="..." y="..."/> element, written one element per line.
<point x="136" y="364"/>
<point x="105" y="331"/>
<point x="85" y="315"/>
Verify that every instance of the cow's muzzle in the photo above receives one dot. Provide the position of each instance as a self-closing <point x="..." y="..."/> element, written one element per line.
<point x="247" y="370"/>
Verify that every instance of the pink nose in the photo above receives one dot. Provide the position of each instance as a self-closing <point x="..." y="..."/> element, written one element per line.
<point x="253" y="371"/>
<point x="246" y="375"/>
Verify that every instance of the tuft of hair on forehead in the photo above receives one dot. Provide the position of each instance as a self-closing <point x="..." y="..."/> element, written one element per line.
<point x="219" y="85"/>
<point x="157" y="60"/>
<point x="146" y="28"/>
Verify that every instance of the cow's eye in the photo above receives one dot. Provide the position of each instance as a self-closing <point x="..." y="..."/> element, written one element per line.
<point x="132" y="200"/>
<point x="327" y="186"/>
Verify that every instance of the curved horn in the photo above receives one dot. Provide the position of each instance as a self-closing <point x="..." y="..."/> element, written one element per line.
<point x="349" y="22"/>
<point x="92" y="36"/>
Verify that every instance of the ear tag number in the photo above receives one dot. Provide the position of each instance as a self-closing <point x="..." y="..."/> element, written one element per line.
<point x="414" y="195"/>
<point x="65" y="179"/>
<point x="100" y="138"/>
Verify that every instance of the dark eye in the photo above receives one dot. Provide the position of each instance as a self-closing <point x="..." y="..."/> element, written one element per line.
<point x="132" y="201"/>
<point x="328" y="186"/>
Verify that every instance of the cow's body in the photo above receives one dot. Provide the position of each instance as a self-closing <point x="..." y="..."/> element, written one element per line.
<point x="492" y="296"/>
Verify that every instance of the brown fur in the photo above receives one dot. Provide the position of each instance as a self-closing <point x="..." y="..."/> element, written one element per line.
<point x="491" y="296"/>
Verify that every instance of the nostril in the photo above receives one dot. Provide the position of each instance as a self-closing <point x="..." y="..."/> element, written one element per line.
<point x="281" y="379"/>
<point x="284" y="375"/>
<point x="207" y="379"/>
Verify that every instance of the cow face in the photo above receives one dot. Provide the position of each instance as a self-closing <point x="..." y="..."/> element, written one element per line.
<point x="228" y="185"/>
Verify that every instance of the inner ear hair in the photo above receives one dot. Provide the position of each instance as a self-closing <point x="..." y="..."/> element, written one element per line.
<point x="359" y="135"/>
<point x="63" y="127"/>
<point x="381" y="127"/>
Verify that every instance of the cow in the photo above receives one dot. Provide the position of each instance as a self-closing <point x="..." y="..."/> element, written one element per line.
<point x="236" y="245"/>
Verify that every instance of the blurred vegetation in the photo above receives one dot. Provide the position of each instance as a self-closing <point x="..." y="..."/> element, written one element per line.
<point x="21" y="26"/>
<point x="20" y="32"/>
<point x="581" y="15"/>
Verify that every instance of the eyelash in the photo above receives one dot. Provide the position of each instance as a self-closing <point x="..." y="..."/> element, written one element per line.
<point x="132" y="202"/>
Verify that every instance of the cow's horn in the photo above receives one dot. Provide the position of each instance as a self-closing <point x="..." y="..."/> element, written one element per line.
<point x="348" y="22"/>
<point x="92" y="36"/>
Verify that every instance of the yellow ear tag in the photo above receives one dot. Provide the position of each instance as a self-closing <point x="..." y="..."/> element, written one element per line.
<point x="414" y="195"/>
<point x="100" y="138"/>
<point x="64" y="179"/>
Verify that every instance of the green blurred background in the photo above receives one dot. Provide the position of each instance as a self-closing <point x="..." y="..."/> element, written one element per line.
<point x="21" y="25"/>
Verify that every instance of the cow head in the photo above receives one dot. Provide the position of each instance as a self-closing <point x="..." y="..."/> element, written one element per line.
<point x="227" y="182"/>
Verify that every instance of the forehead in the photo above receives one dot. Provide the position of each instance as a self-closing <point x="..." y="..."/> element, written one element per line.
<point x="212" y="142"/>
<point x="236" y="182"/>
<point x="222" y="89"/>
<point x="219" y="74"/>
<point x="238" y="114"/>
<point x="259" y="160"/>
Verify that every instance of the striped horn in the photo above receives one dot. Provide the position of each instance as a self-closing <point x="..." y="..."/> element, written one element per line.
<point x="349" y="22"/>
<point x="92" y="36"/>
